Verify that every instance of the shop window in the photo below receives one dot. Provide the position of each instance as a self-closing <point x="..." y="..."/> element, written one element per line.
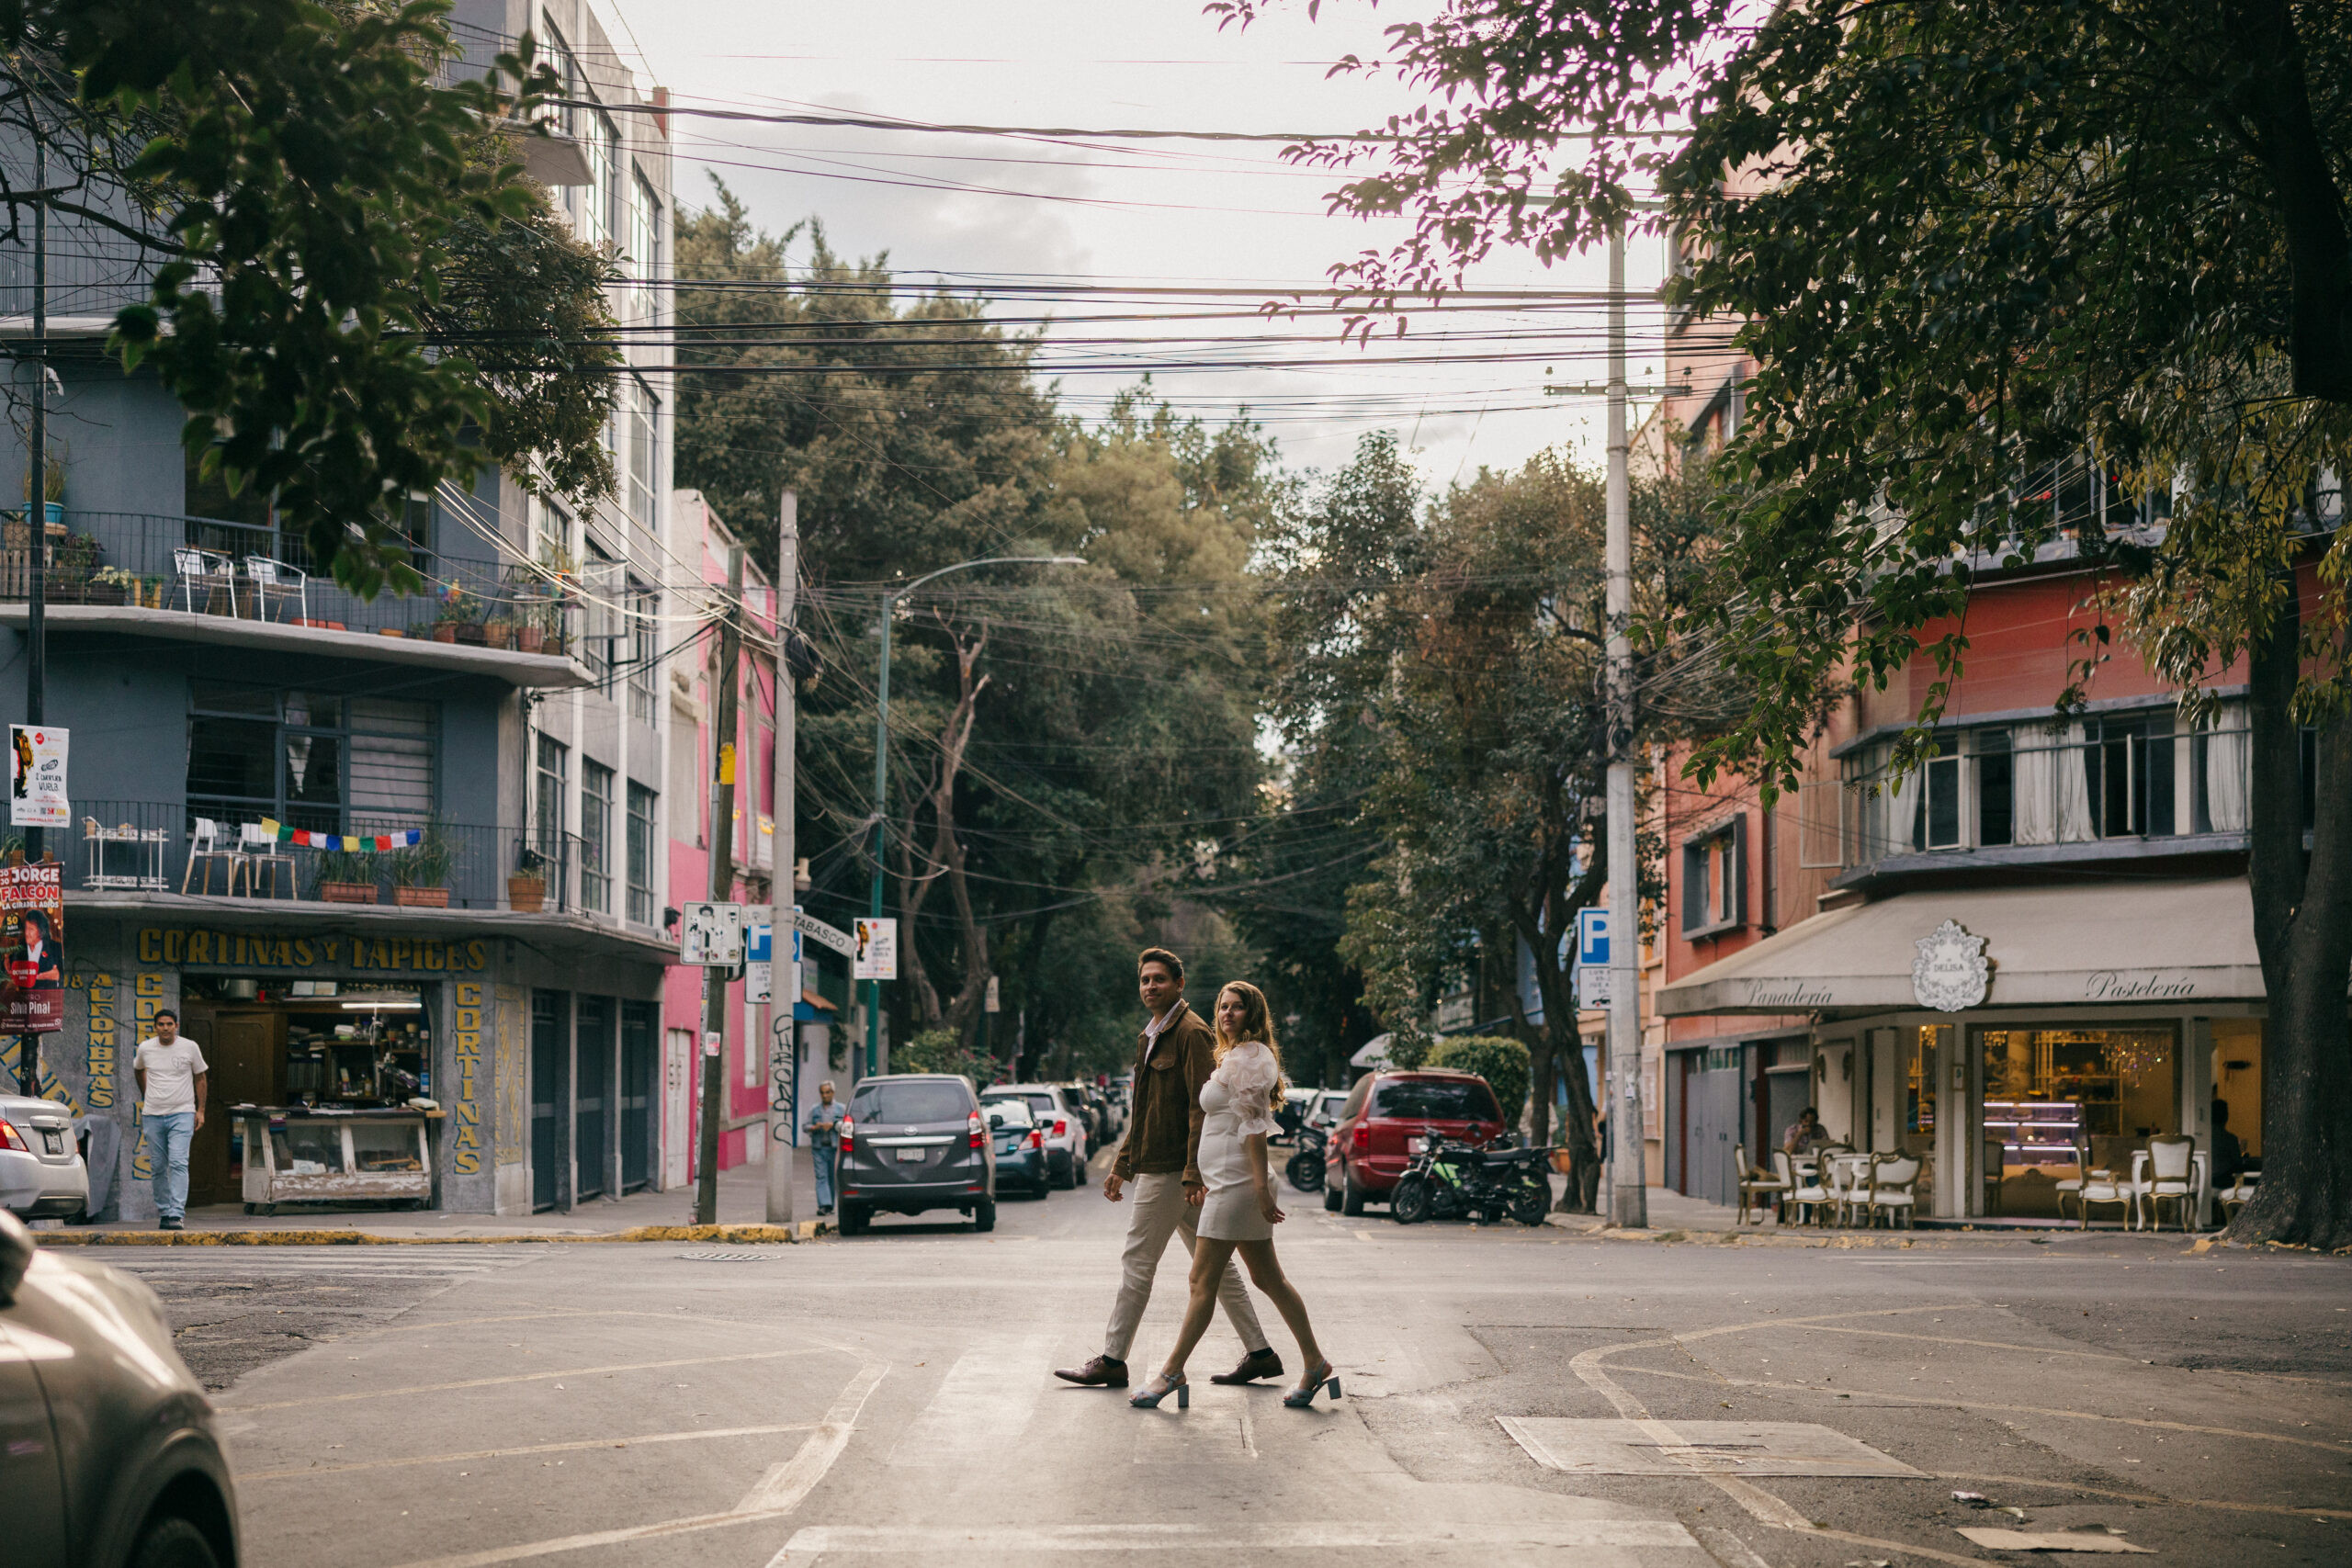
<point x="596" y="837"/>
<point x="640" y="854"/>
<point x="2055" y="1098"/>
<point x="313" y="759"/>
<point x="1996" y="787"/>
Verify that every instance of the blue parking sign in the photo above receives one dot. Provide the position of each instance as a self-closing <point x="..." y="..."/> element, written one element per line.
<point x="1592" y="939"/>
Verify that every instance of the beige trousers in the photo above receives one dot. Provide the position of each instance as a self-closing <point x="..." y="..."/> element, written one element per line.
<point x="1158" y="1214"/>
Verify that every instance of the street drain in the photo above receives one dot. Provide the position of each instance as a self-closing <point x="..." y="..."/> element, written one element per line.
<point x="724" y="1257"/>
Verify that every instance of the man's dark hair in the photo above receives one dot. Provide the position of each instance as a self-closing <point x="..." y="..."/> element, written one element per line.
<point x="1809" y="1110"/>
<point x="2221" y="1114"/>
<point x="1161" y="955"/>
<point x="163" y="1013"/>
<point x="35" y="915"/>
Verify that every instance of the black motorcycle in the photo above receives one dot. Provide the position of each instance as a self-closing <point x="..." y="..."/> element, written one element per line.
<point x="1451" y="1181"/>
<point x="1305" y="1168"/>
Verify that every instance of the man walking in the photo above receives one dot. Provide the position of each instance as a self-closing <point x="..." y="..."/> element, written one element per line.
<point x="1161" y="1157"/>
<point x="824" y="1144"/>
<point x="171" y="1073"/>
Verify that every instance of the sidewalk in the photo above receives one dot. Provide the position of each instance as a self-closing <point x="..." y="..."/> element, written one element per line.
<point x="640" y="1216"/>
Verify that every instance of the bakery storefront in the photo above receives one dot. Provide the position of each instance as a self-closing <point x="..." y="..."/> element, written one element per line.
<point x="2009" y="1035"/>
<point x="401" y="1059"/>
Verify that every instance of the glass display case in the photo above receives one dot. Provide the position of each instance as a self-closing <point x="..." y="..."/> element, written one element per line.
<point x="2034" y="1132"/>
<point x="296" y="1154"/>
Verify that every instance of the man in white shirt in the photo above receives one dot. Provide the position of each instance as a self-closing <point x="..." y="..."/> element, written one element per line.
<point x="172" y="1086"/>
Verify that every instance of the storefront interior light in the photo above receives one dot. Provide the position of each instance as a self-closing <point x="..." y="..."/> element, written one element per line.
<point x="388" y="1004"/>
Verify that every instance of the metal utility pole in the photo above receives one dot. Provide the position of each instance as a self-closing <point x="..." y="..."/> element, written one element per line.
<point x="882" y="765"/>
<point x="1628" y="1195"/>
<point x="783" y="991"/>
<point x="36" y="542"/>
<point x="722" y="885"/>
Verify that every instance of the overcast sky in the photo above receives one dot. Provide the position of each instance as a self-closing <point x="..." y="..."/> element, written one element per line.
<point x="1128" y="212"/>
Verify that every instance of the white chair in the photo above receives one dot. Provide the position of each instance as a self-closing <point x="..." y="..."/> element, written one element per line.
<point x="256" y="849"/>
<point x="206" y="569"/>
<point x="1842" y="1175"/>
<point x="2166" y="1170"/>
<point x="205" y="845"/>
<point x="1806" y="1195"/>
<point x="1757" y="1190"/>
<point x="269" y="577"/>
<point x="2103" y="1186"/>
<point x="2237" y="1194"/>
<point x="2073" y="1185"/>
<point x="1892" y="1186"/>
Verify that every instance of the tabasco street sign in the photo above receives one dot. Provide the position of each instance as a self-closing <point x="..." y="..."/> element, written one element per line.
<point x="33" y="947"/>
<point x="37" y="777"/>
<point x="877" y="950"/>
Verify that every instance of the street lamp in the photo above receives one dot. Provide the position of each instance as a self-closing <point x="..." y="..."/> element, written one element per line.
<point x="882" y="763"/>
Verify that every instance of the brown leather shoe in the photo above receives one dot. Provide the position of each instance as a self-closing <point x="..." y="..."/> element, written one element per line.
<point x="1101" y="1372"/>
<point x="1256" y="1364"/>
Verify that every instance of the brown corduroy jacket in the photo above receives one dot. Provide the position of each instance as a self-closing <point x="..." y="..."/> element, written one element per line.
<point x="1164" y="1122"/>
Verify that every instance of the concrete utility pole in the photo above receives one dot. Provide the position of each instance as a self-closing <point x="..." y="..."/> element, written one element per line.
<point x="722" y="886"/>
<point x="35" y="545"/>
<point x="1628" y="1196"/>
<point x="783" y="991"/>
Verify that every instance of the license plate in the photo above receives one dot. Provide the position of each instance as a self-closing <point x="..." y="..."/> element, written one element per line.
<point x="910" y="1157"/>
<point x="1417" y="1146"/>
<point x="52" y="1142"/>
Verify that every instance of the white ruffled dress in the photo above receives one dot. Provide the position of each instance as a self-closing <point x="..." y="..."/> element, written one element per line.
<point x="1235" y="1103"/>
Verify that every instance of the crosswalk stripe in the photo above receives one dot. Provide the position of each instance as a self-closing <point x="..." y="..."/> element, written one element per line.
<point x="812" y="1541"/>
<point x="985" y="1400"/>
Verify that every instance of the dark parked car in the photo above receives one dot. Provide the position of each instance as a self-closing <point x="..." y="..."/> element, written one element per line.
<point x="914" y="1142"/>
<point x="108" y="1458"/>
<point x="1021" y="1160"/>
<point x="1387" y="1115"/>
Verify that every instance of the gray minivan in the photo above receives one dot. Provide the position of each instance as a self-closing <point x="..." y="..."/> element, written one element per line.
<point x="914" y="1141"/>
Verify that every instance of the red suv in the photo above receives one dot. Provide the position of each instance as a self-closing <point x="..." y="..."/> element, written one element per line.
<point x="1386" y="1112"/>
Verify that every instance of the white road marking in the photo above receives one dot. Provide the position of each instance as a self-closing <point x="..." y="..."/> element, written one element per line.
<point x="514" y="1377"/>
<point x="983" y="1403"/>
<point x="1728" y="1549"/>
<point x="964" y="1540"/>
<point x="639" y="1441"/>
<point x="781" y="1489"/>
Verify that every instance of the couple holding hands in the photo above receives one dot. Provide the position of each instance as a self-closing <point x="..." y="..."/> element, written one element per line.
<point x="1195" y="1154"/>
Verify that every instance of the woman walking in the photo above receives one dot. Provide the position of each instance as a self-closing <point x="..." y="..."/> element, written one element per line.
<point x="1237" y="1212"/>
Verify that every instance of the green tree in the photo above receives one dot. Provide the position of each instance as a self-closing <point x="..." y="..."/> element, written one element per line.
<point x="333" y="224"/>
<point x="1448" y="657"/>
<point x="1073" y="750"/>
<point x="1970" y="238"/>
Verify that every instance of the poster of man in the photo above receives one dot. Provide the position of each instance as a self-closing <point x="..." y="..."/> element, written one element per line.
<point x="32" y="946"/>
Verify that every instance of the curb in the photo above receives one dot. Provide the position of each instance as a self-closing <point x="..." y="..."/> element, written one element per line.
<point x="806" y="1230"/>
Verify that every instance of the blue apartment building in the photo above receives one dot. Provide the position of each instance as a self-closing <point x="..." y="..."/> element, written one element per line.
<point x="469" y="1022"/>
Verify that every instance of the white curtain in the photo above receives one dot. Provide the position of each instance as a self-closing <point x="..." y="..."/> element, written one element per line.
<point x="2225" y="781"/>
<point x="2075" y="824"/>
<point x="2036" y="787"/>
<point x="1898" y="809"/>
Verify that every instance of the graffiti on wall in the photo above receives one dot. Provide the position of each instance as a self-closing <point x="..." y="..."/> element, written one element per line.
<point x="103" y="1053"/>
<point x="146" y="1001"/>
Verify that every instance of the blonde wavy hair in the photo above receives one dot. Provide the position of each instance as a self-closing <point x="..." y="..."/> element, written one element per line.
<point x="1257" y="1023"/>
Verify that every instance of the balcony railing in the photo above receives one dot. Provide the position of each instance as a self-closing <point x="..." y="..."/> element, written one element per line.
<point x="256" y="573"/>
<point x="156" y="846"/>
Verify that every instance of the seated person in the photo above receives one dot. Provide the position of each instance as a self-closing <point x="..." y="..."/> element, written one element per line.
<point x="1804" y="1135"/>
<point x="2228" y="1155"/>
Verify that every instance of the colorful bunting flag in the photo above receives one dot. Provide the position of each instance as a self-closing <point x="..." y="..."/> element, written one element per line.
<point x="347" y="843"/>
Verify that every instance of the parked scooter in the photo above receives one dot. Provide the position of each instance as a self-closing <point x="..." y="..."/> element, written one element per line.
<point x="1450" y="1181"/>
<point x="1305" y="1168"/>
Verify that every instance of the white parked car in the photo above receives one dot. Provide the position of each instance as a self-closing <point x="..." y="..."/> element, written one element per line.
<point x="1063" y="1125"/>
<point x="41" y="1173"/>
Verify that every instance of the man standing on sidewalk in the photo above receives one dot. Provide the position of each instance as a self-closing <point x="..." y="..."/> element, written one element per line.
<point x="1161" y="1156"/>
<point x="824" y="1144"/>
<point x="172" y="1085"/>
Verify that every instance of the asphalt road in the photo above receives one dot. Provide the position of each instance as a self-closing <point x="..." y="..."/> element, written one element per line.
<point x="888" y="1400"/>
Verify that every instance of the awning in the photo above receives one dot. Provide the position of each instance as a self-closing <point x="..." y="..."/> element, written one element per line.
<point x="2092" y="945"/>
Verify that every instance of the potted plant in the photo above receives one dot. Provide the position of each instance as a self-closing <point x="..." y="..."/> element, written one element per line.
<point x="346" y="877"/>
<point x="497" y="632"/>
<point x="454" y="613"/>
<point x="116" y="585"/>
<point x="421" y="871"/>
<point x="526" y="890"/>
<point x="71" y="565"/>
